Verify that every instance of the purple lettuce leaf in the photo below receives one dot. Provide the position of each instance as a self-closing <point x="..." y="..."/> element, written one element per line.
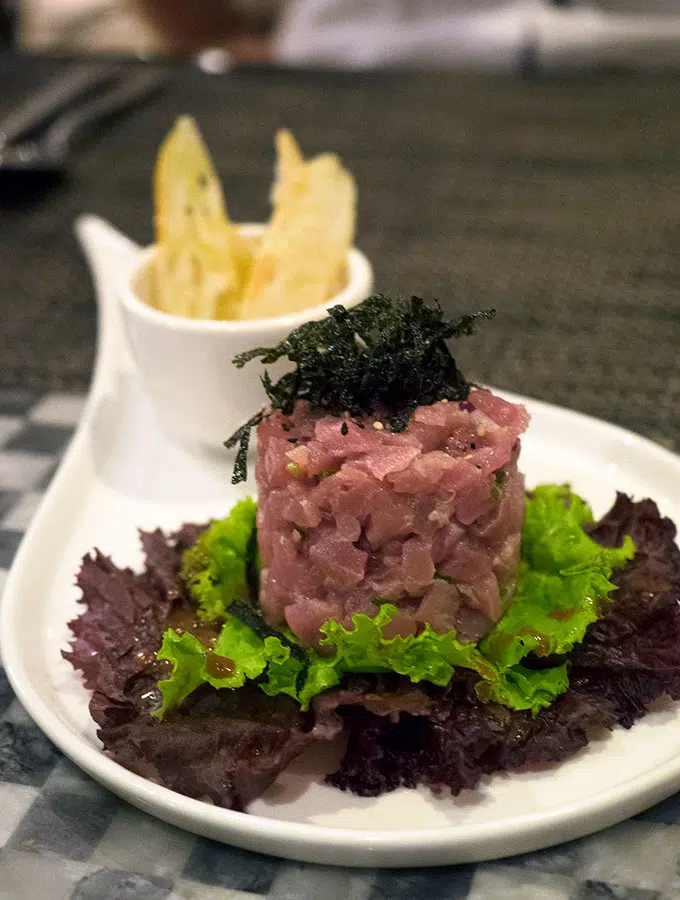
<point x="226" y="747"/>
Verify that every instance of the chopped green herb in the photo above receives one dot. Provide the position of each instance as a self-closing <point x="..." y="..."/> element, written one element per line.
<point x="497" y="489"/>
<point x="445" y="578"/>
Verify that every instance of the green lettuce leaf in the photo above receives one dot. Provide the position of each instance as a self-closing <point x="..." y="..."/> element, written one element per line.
<point x="363" y="648"/>
<point x="430" y="657"/>
<point x="217" y="568"/>
<point x="563" y="582"/>
<point x="237" y="646"/>
<point x="520" y="688"/>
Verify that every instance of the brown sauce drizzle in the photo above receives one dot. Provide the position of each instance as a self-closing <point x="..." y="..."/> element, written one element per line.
<point x="146" y="661"/>
<point x="183" y="620"/>
<point x="144" y="658"/>
<point x="219" y="666"/>
<point x="561" y="614"/>
<point x="543" y="648"/>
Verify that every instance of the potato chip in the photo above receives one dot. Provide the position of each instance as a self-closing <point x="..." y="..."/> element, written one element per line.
<point x="205" y="268"/>
<point x="289" y="166"/>
<point x="302" y="256"/>
<point x="201" y="263"/>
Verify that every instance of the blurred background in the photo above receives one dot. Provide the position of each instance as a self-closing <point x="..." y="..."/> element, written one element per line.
<point x="554" y="199"/>
<point x="480" y="34"/>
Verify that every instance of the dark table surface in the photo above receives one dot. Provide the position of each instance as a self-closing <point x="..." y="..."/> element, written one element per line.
<point x="556" y="202"/>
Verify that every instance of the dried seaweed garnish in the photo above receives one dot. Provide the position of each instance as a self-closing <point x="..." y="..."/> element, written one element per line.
<point x="382" y="355"/>
<point x="242" y="437"/>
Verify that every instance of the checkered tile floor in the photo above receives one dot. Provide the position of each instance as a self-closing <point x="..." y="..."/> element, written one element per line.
<point x="64" y="837"/>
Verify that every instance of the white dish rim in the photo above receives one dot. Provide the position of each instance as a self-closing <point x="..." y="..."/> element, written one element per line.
<point x="312" y="842"/>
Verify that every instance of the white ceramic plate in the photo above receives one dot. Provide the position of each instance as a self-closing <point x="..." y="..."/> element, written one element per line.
<point x="122" y="473"/>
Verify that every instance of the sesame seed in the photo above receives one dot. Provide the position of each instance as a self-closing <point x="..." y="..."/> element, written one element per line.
<point x="444" y="400"/>
<point x="297" y="537"/>
<point x="481" y="431"/>
<point x="378" y="426"/>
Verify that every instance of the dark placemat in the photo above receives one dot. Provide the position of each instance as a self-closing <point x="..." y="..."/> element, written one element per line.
<point x="558" y="203"/>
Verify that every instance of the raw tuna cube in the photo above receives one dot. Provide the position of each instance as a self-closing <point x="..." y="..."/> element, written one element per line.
<point x="428" y="518"/>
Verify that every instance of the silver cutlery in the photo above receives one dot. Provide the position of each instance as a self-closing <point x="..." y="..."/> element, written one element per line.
<point x="25" y="150"/>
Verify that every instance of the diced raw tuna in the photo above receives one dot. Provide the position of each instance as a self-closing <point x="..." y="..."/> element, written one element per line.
<point x="428" y="518"/>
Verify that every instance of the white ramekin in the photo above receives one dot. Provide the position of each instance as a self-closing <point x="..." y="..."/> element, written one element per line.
<point x="186" y="366"/>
